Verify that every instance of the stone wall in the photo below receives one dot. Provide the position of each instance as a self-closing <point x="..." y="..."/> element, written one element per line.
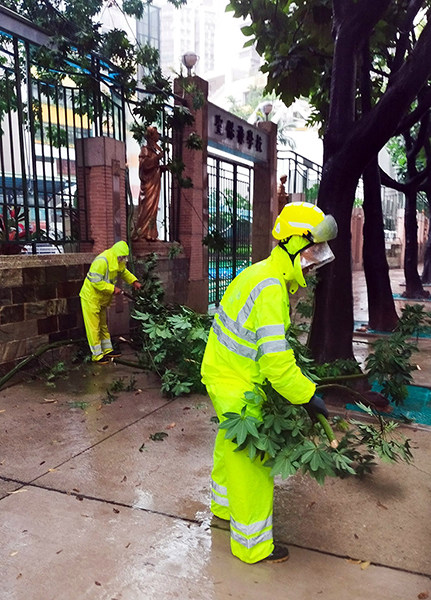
<point x="39" y="299"/>
<point x="39" y="302"/>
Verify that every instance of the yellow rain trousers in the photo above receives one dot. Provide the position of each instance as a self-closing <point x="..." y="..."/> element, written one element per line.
<point x="247" y="345"/>
<point x="96" y="295"/>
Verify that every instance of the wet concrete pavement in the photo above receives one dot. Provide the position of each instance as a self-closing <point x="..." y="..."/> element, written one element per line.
<point x="93" y="508"/>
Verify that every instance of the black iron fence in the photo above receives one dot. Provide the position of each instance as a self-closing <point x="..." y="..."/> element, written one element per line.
<point x="229" y="222"/>
<point x="40" y="119"/>
<point x="303" y="175"/>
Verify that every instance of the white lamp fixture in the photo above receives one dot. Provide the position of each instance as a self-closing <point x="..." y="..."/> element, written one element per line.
<point x="189" y="59"/>
<point x="267" y="108"/>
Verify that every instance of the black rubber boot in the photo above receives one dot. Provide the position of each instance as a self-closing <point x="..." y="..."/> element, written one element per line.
<point x="278" y="555"/>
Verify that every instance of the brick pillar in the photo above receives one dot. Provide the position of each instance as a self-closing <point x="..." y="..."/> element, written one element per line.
<point x="265" y="202"/>
<point x="101" y="192"/>
<point x="192" y="203"/>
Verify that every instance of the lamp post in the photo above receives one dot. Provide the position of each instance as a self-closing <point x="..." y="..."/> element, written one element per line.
<point x="267" y="108"/>
<point x="189" y="59"/>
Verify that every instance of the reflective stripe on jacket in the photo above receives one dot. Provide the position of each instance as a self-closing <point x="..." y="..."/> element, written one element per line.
<point x="98" y="286"/>
<point x="247" y="342"/>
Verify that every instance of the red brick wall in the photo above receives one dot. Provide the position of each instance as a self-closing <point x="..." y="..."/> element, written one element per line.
<point x="193" y="203"/>
<point x="102" y="191"/>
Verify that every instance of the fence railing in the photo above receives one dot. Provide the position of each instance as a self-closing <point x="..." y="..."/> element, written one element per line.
<point x="229" y="223"/>
<point x="41" y="116"/>
<point x="303" y="175"/>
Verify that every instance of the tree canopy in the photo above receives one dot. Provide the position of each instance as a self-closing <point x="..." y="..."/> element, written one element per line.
<point x="363" y="64"/>
<point x="78" y="39"/>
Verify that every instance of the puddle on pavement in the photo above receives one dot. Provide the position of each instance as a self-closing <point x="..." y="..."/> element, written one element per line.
<point x="184" y="550"/>
<point x="86" y="380"/>
<point x="144" y="499"/>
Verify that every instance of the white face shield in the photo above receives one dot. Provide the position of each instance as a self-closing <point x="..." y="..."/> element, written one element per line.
<point x="316" y="256"/>
<point x="325" y="231"/>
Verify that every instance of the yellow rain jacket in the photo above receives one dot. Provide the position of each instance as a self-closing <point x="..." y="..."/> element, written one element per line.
<point x="99" y="283"/>
<point x="247" y="345"/>
<point x="247" y="342"/>
<point x="96" y="294"/>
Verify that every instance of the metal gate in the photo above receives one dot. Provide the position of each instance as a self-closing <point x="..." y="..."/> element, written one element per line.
<point x="40" y="119"/>
<point x="230" y="213"/>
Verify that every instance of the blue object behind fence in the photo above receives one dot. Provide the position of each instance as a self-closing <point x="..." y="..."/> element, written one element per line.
<point x="416" y="407"/>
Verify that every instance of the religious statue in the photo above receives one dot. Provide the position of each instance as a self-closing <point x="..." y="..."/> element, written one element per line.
<point x="150" y="174"/>
<point x="282" y="195"/>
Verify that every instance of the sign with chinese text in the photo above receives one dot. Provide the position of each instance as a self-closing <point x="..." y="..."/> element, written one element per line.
<point x="232" y="134"/>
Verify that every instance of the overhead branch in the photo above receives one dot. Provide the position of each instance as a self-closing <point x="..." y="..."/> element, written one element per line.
<point x="389" y="182"/>
<point x="412" y="184"/>
<point x="352" y="26"/>
<point x="405" y="30"/>
<point x="423" y="133"/>
<point x="374" y="129"/>
<point x="424" y="103"/>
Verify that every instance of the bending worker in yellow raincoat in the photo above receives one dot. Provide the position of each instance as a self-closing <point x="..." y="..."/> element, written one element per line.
<point x="247" y="345"/>
<point x="96" y="295"/>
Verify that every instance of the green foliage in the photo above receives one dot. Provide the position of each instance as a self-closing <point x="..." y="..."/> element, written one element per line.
<point x="194" y="142"/>
<point x="176" y="167"/>
<point x="10" y="221"/>
<point x="57" y="136"/>
<point x="305" y="305"/>
<point x="173" y="385"/>
<point x="286" y="439"/>
<point x="159" y="436"/>
<point x="215" y="241"/>
<point x="151" y="293"/>
<point x="76" y="38"/>
<point x="173" y="338"/>
<point x="253" y="97"/>
<point x="81" y="405"/>
<point x="337" y="368"/>
<point x="312" y="192"/>
<point x="174" y="250"/>
<point x="302" y="354"/>
<point x="56" y="370"/>
<point x="296" y="43"/>
<point x="192" y="90"/>
<point x="389" y="365"/>
<point x="110" y="397"/>
<point x="120" y="385"/>
<point x="381" y="440"/>
<point x="414" y="320"/>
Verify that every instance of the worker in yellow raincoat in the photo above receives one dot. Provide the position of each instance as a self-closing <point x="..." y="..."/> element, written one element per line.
<point x="96" y="295"/>
<point x="246" y="346"/>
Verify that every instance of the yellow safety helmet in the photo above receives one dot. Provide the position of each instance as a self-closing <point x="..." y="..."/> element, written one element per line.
<point x="305" y="220"/>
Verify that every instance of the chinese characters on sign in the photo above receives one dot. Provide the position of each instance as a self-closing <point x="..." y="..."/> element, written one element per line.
<point x="231" y="133"/>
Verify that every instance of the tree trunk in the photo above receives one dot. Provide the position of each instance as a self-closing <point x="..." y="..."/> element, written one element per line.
<point x="382" y="315"/>
<point x="332" y="326"/>
<point x="414" y="287"/>
<point x="349" y="146"/>
<point x="426" y="274"/>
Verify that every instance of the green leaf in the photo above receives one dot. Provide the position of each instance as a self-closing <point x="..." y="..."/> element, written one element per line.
<point x="316" y="463"/>
<point x="159" y="436"/>
<point x="283" y="465"/>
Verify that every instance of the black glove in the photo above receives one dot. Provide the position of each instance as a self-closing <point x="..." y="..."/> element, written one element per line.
<point x="316" y="405"/>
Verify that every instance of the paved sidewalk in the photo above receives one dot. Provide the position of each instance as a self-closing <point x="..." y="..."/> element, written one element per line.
<point x="92" y="508"/>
